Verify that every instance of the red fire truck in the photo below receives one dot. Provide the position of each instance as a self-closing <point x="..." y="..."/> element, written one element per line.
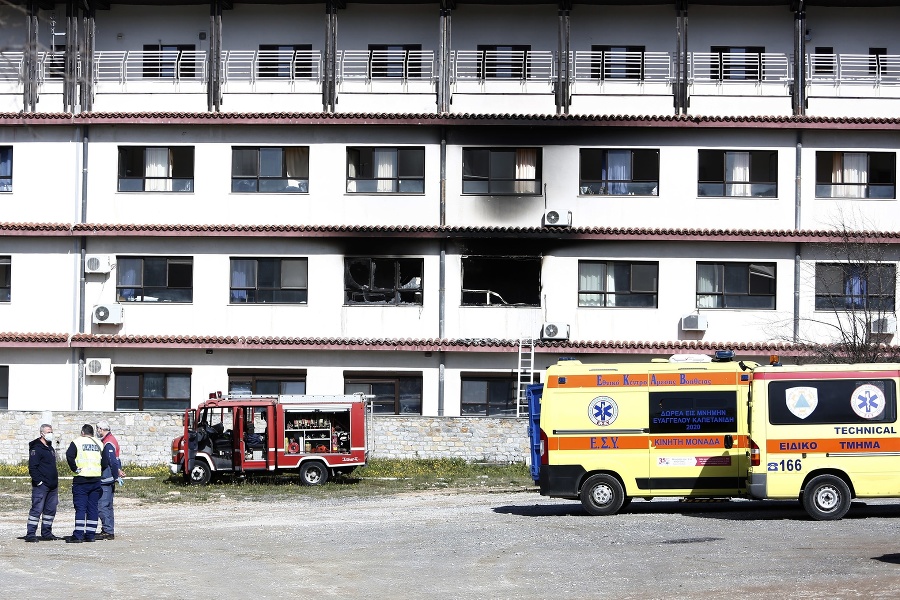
<point x="314" y="436"/>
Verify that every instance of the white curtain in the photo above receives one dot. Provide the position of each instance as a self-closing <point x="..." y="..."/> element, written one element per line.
<point x="129" y="277"/>
<point x="709" y="282"/>
<point x="526" y="171"/>
<point x="850" y="168"/>
<point x="385" y="169"/>
<point x="737" y="168"/>
<point x="591" y="277"/>
<point x="296" y="162"/>
<point x="618" y="171"/>
<point x="157" y="170"/>
<point x="352" y="172"/>
<point x="243" y="275"/>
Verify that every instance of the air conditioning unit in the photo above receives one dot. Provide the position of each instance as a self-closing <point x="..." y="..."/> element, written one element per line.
<point x="98" y="367"/>
<point x="883" y="326"/>
<point x="693" y="323"/>
<point x="557" y="218"/>
<point x="97" y="263"/>
<point x="107" y="314"/>
<point x="554" y="331"/>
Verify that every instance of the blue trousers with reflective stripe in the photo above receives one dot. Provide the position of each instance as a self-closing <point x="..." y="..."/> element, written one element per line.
<point x="43" y="502"/>
<point x="86" y="497"/>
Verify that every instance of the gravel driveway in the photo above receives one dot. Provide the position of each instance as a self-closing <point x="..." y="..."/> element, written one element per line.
<point x="451" y="544"/>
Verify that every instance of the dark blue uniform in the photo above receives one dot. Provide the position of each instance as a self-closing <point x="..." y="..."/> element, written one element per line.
<point x="44" y="488"/>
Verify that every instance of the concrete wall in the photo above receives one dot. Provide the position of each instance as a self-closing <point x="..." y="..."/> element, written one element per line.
<point x="145" y="438"/>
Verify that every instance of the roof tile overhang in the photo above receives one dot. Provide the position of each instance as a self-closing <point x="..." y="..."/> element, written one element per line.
<point x="445" y="119"/>
<point x="484" y="345"/>
<point x="675" y="234"/>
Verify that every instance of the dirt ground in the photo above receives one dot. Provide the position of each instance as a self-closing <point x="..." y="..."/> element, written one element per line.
<point x="439" y="544"/>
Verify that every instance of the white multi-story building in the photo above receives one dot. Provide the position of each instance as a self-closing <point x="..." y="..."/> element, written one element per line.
<point x="399" y="198"/>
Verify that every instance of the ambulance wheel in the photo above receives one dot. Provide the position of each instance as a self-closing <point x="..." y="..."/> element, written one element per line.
<point x="602" y="495"/>
<point x="826" y="498"/>
<point x="200" y="474"/>
<point x="313" y="473"/>
<point x="625" y="502"/>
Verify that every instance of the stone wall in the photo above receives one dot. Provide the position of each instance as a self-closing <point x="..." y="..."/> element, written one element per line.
<point x="146" y="437"/>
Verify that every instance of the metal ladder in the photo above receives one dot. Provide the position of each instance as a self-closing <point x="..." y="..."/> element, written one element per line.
<point x="525" y="371"/>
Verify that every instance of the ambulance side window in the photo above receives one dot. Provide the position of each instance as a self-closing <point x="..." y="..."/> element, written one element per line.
<point x="693" y="412"/>
<point x="817" y="402"/>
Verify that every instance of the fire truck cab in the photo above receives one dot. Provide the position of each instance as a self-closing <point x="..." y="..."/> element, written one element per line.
<point x="315" y="436"/>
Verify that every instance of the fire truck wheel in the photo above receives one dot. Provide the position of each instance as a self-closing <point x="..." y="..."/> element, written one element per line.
<point x="602" y="495"/>
<point x="313" y="473"/>
<point x="200" y="474"/>
<point x="826" y="498"/>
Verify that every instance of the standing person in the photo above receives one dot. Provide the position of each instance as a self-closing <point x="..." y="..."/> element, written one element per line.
<point x="108" y="481"/>
<point x="44" y="486"/>
<point x="87" y="460"/>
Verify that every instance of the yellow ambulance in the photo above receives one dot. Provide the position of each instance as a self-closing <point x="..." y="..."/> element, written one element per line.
<point x="824" y="434"/>
<point x="605" y="433"/>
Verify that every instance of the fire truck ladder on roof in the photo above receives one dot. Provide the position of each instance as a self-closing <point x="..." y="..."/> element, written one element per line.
<point x="526" y="370"/>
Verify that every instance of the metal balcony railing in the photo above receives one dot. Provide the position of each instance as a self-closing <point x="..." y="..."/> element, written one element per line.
<point x="287" y="65"/>
<point x="480" y="65"/>
<point x="143" y="65"/>
<point x="853" y="68"/>
<point x="386" y="64"/>
<point x="622" y="66"/>
<point x="739" y="67"/>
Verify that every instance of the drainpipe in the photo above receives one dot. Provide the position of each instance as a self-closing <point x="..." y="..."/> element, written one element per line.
<point x="562" y="64"/>
<point x="798" y="93"/>
<point x="80" y="249"/>
<point x="329" y="87"/>
<point x="443" y="83"/>
<point x="442" y="275"/>
<point x="797" y="188"/>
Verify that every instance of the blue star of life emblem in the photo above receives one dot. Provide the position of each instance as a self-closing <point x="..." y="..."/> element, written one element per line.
<point x="603" y="411"/>
<point x="867" y="401"/>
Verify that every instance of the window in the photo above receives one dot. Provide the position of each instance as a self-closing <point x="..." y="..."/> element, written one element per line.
<point x="619" y="172"/>
<point x="736" y="285"/>
<point x="618" y="284"/>
<point x="285" y="61"/>
<point x="269" y="280"/>
<point x="503" y="62"/>
<point x="618" y="62"/>
<point x="266" y="383"/>
<point x="824" y="60"/>
<point x="394" y="60"/>
<point x="164" y="61"/>
<point x="855" y="174"/>
<point x="877" y="62"/>
<point x="846" y="286"/>
<point x="733" y="173"/>
<point x="270" y="170"/>
<point x="149" y="390"/>
<point x="501" y="171"/>
<point x="4" y="388"/>
<point x="385" y="170"/>
<point x="400" y="395"/>
<point x="383" y="281"/>
<point x="154" y="279"/>
<point x="156" y="169"/>
<point x="833" y="403"/>
<point x="501" y="281"/>
<point x="737" y="63"/>
<point x="5" y="168"/>
<point x="5" y="278"/>
<point x="488" y="396"/>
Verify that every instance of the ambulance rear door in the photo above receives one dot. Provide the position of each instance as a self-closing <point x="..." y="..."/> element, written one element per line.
<point x="696" y="444"/>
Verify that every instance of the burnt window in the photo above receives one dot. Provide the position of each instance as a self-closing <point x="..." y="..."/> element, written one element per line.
<point x="383" y="280"/>
<point x="501" y="281"/>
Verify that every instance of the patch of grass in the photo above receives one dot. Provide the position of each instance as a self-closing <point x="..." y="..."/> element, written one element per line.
<point x="379" y="477"/>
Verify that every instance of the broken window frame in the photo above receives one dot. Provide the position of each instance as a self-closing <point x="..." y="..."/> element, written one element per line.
<point x="404" y="290"/>
<point x="494" y="297"/>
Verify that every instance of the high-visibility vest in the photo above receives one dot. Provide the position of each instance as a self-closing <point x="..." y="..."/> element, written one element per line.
<point x="90" y="453"/>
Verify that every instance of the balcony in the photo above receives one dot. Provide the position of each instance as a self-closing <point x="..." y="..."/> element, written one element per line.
<point x="480" y="81"/>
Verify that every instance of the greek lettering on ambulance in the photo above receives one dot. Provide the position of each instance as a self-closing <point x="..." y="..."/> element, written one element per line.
<point x="605" y="443"/>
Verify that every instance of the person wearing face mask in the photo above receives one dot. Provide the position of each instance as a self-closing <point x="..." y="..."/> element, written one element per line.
<point x="44" y="486"/>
